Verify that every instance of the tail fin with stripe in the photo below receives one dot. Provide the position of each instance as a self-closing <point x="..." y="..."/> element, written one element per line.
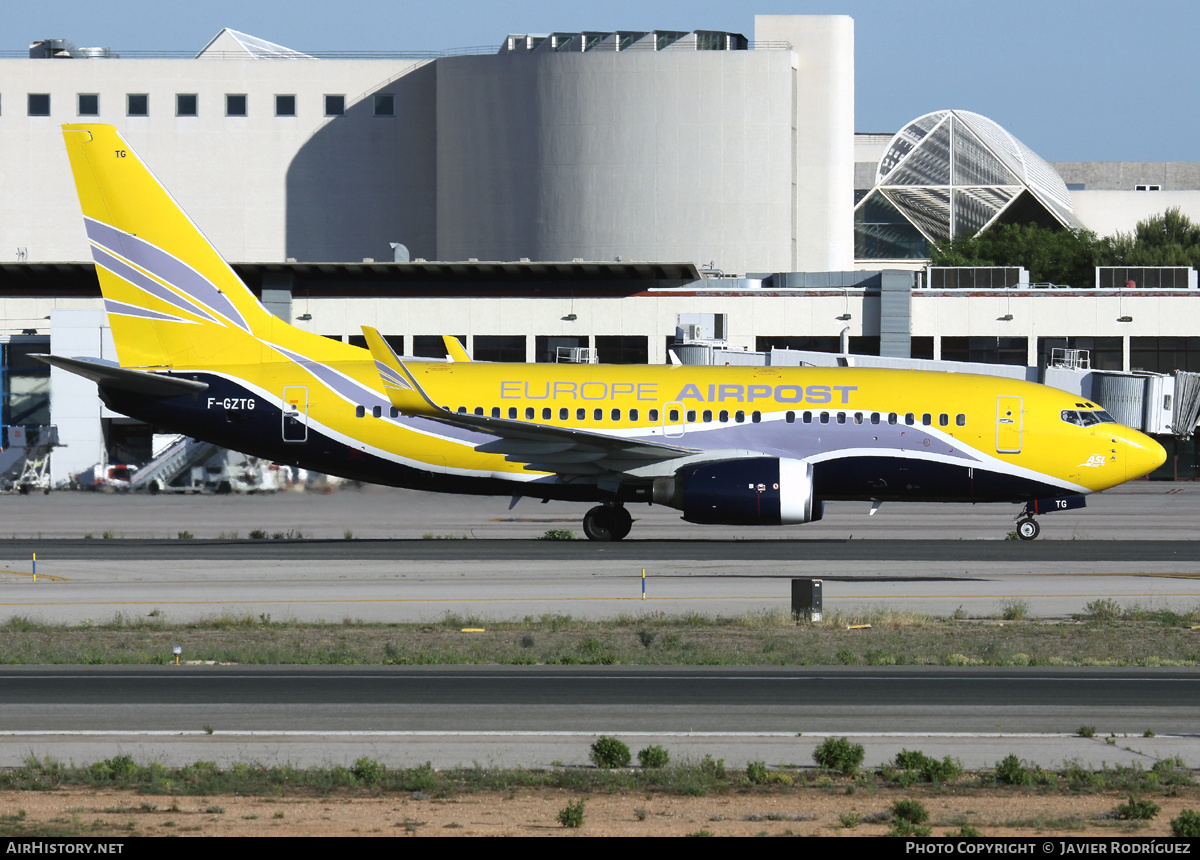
<point x="171" y="299"/>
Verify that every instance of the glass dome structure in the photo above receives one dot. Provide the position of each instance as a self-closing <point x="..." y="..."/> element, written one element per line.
<point x="952" y="173"/>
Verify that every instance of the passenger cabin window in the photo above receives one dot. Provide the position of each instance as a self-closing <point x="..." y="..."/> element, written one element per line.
<point x="691" y="415"/>
<point x="790" y="418"/>
<point x="724" y="416"/>
<point x="961" y="420"/>
<point x="910" y="419"/>
<point x="529" y="413"/>
<point x="580" y="414"/>
<point x="597" y="414"/>
<point x="377" y="411"/>
<point x="707" y="415"/>
<point x="616" y="415"/>
<point x="739" y="416"/>
<point x="926" y="419"/>
<point x="874" y="417"/>
<point x="546" y="413"/>
<point x="633" y="415"/>
<point x="479" y="410"/>
<point x="893" y="418"/>
<point x="943" y="420"/>
<point x="512" y="413"/>
<point x="824" y="417"/>
<point x="653" y="414"/>
<point x="495" y="411"/>
<point x="360" y="411"/>
<point x="564" y="414"/>
<point x="673" y="416"/>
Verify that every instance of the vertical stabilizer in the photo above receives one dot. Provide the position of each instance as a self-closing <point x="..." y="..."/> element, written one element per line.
<point x="171" y="299"/>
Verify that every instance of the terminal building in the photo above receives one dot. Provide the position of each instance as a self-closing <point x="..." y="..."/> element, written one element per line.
<point x="614" y="193"/>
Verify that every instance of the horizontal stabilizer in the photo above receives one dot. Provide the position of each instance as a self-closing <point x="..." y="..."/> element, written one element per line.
<point x="114" y="376"/>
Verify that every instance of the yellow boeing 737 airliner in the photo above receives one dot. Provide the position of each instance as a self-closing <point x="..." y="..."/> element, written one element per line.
<point x="199" y="355"/>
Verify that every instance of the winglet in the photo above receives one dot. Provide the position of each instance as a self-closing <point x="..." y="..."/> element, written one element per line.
<point x="454" y="348"/>
<point x="401" y="387"/>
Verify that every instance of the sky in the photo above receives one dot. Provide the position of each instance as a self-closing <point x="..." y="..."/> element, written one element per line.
<point x="1075" y="80"/>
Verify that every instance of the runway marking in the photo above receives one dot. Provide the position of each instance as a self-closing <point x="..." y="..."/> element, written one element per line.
<point x="27" y="574"/>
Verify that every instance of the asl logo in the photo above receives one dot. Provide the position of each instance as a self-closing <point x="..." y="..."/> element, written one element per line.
<point x="1094" y="461"/>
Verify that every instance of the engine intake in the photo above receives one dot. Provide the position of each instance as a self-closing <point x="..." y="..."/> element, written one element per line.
<point x="754" y="491"/>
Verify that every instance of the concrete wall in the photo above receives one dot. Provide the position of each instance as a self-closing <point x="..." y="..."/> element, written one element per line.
<point x="261" y="187"/>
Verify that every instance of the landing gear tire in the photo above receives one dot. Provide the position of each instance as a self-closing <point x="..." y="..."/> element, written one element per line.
<point x="1028" y="529"/>
<point x="604" y="523"/>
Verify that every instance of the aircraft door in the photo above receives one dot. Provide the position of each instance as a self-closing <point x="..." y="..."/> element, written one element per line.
<point x="1009" y="422"/>
<point x="295" y="413"/>
<point x="674" y="418"/>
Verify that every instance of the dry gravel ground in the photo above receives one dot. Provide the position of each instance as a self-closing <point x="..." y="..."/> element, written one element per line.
<point x="92" y="812"/>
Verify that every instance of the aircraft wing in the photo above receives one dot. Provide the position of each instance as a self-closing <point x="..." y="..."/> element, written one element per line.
<point x="541" y="447"/>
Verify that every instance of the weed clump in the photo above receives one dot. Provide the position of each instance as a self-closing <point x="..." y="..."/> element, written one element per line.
<point x="653" y="756"/>
<point x="1138" y="810"/>
<point x="608" y="752"/>
<point x="1187" y="825"/>
<point x="1012" y="772"/>
<point x="840" y="755"/>
<point x="572" y="814"/>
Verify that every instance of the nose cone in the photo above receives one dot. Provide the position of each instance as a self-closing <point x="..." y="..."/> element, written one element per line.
<point x="1142" y="455"/>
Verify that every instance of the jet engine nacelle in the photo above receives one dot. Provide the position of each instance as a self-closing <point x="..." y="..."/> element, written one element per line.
<point x="756" y="491"/>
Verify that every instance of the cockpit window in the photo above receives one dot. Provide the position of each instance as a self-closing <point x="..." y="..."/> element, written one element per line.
<point x="1083" y="418"/>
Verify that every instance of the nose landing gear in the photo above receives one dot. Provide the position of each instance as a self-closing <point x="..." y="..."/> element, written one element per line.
<point x="1027" y="527"/>
<point x="607" y="523"/>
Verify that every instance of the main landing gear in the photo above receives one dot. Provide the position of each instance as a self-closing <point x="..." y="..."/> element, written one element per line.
<point x="607" y="523"/>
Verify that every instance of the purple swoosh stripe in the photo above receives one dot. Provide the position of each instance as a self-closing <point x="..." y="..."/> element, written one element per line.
<point x="122" y="309"/>
<point x="162" y="265"/>
<point x="106" y="260"/>
<point x="358" y="393"/>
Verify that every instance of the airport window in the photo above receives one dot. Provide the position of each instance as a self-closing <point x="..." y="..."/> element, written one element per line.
<point x="597" y="414"/>
<point x="545" y="347"/>
<point x="335" y="105"/>
<point x="360" y="411"/>
<point x="385" y="104"/>
<point x="622" y="349"/>
<point x="653" y="414"/>
<point x="546" y="413"/>
<point x="377" y="411"/>
<point x="39" y="104"/>
<point x="707" y="415"/>
<point x="137" y="104"/>
<point x="529" y="413"/>
<point x="989" y="350"/>
<point x="187" y="104"/>
<point x="790" y="418"/>
<point x="490" y="347"/>
<point x="961" y="420"/>
<point x="285" y="105"/>
<point x="512" y="413"/>
<point x="1147" y="188"/>
<point x="336" y="337"/>
<point x="89" y="104"/>
<point x="921" y="347"/>
<point x="235" y="104"/>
